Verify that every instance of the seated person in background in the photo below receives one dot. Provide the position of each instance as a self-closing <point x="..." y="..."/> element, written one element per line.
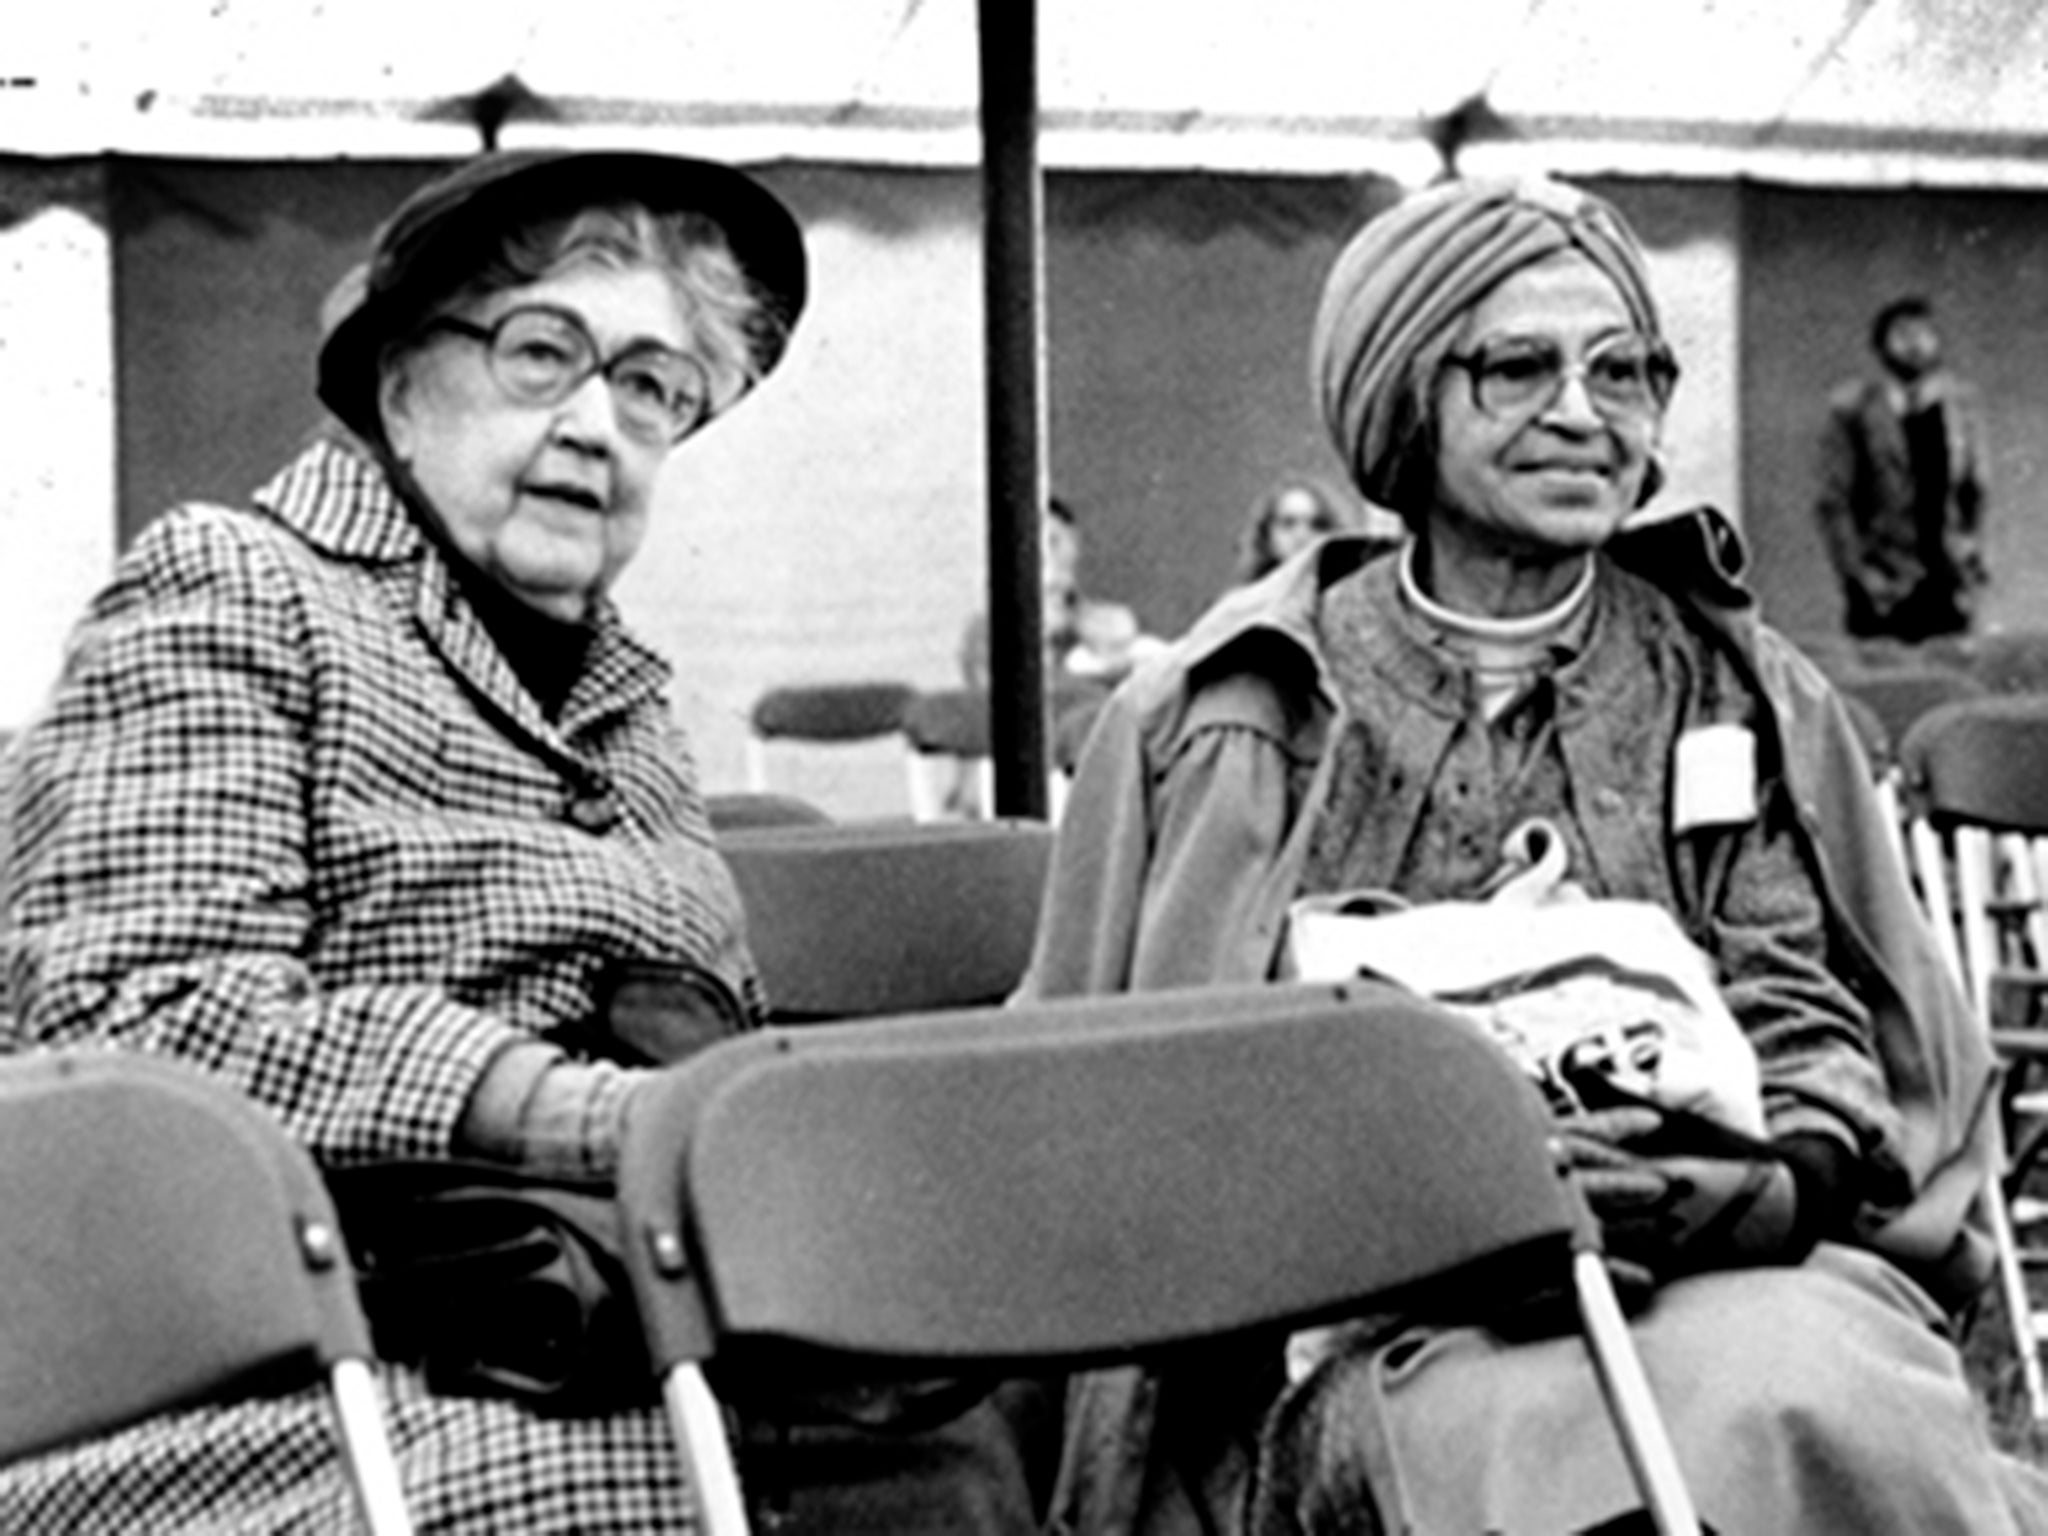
<point x="1491" y="364"/>
<point x="1293" y="515"/>
<point x="365" y="801"/>
<point x="1086" y="639"/>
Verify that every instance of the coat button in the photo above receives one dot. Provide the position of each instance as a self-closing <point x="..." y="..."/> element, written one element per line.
<point x="596" y="813"/>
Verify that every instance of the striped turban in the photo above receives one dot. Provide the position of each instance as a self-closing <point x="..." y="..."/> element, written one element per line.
<point x="1409" y="277"/>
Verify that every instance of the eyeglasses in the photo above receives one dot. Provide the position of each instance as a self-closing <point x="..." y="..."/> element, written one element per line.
<point x="1520" y="376"/>
<point x="541" y="355"/>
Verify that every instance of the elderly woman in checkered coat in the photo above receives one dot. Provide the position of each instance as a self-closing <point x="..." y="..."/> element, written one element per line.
<point x="364" y="800"/>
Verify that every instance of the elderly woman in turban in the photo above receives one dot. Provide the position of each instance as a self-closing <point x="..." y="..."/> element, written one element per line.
<point x="1491" y="364"/>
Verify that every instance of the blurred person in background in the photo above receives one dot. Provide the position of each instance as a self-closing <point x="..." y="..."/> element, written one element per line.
<point x="1087" y="639"/>
<point x="1904" y="486"/>
<point x="1292" y="515"/>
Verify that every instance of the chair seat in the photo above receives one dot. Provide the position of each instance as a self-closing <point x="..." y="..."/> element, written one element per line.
<point x="860" y="918"/>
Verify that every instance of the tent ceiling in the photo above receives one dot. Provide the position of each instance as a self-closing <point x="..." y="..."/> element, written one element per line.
<point x="1844" y="91"/>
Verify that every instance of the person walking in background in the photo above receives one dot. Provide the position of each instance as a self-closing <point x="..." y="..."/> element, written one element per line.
<point x="1903" y="486"/>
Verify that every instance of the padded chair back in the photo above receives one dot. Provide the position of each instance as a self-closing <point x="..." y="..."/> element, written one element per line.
<point x="866" y="918"/>
<point x="854" y="711"/>
<point x="951" y="731"/>
<point x="737" y="809"/>
<point x="1975" y="775"/>
<point x="1900" y="695"/>
<point x="1093" y="1181"/>
<point x="824" y="713"/>
<point x="1984" y="760"/>
<point x="167" y="1243"/>
<point x="2011" y="661"/>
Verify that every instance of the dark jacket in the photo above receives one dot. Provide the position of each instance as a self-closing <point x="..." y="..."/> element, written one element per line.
<point x="1892" y="571"/>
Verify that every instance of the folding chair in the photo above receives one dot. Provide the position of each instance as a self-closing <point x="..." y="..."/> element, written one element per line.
<point x="1095" y="1181"/>
<point x="736" y="810"/>
<point x="947" y="740"/>
<point x="2011" y="661"/>
<point x="867" y="918"/>
<point x="1975" y="774"/>
<point x="167" y="1244"/>
<point x="948" y="737"/>
<point x="824" y="713"/>
<point x="1900" y="695"/>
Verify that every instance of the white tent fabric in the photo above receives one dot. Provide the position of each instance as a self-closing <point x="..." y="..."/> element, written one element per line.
<point x="1847" y="92"/>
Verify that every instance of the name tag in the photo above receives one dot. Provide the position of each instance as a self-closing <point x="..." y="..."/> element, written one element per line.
<point x="1715" y="777"/>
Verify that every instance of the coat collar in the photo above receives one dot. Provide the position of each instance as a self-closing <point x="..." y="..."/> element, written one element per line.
<point x="338" y="499"/>
<point x="1695" y="554"/>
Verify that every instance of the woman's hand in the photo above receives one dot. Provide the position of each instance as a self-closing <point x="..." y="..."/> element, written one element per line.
<point x="1671" y="1214"/>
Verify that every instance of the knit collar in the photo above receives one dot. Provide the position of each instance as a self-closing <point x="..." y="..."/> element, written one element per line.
<point x="1522" y="631"/>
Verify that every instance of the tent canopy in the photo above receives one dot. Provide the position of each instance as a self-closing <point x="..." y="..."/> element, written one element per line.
<point x="1847" y="92"/>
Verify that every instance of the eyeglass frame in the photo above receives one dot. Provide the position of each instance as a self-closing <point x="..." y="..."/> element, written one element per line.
<point x="1661" y="373"/>
<point x="595" y="366"/>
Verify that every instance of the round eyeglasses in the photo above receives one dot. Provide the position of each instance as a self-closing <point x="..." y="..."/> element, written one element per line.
<point x="1520" y="376"/>
<point x="541" y="355"/>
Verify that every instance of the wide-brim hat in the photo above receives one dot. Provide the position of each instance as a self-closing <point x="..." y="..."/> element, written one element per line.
<point x="442" y="233"/>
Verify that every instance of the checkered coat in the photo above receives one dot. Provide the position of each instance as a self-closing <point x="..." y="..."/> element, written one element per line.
<point x="289" y="815"/>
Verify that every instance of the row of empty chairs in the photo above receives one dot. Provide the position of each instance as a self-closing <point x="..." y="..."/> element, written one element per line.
<point x="1897" y="684"/>
<point x="2002" y="660"/>
<point x="945" y="736"/>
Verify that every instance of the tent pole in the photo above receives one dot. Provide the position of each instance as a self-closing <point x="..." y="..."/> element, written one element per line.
<point x="1013" y="234"/>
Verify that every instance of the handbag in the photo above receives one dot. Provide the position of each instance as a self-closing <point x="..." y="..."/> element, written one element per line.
<point x="1601" y="1001"/>
<point x="493" y="1283"/>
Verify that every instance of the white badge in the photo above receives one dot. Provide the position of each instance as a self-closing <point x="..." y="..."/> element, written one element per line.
<point x="1716" y="777"/>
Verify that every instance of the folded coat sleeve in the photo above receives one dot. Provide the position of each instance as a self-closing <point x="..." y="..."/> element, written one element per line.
<point x="163" y="892"/>
<point x="1173" y="866"/>
<point x="1087" y="928"/>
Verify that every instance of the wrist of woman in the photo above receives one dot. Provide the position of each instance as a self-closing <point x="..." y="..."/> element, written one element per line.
<point x="1829" y="1181"/>
<point x="549" y="1116"/>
